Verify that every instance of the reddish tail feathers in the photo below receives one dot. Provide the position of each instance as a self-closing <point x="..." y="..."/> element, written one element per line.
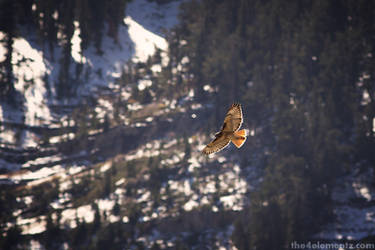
<point x="241" y="138"/>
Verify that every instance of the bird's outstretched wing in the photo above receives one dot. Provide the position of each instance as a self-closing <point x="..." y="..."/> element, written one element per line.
<point x="229" y="132"/>
<point x="233" y="118"/>
<point x="220" y="142"/>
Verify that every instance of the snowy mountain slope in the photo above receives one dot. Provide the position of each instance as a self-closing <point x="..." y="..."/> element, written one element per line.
<point x="34" y="65"/>
<point x="193" y="187"/>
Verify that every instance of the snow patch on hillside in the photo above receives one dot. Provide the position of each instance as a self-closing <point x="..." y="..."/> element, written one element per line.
<point x="145" y="42"/>
<point x="76" y="45"/>
<point x="136" y="40"/>
<point x="29" y="69"/>
<point x="33" y="225"/>
<point x="83" y="213"/>
<point x="2" y="48"/>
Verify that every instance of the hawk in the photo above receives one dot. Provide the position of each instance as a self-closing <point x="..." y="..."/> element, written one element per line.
<point x="230" y="131"/>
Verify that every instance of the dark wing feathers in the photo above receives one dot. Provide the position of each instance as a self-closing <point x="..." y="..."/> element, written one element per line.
<point x="232" y="123"/>
<point x="220" y="142"/>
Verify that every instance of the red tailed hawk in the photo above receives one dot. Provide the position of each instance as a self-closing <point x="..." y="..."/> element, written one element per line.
<point x="230" y="131"/>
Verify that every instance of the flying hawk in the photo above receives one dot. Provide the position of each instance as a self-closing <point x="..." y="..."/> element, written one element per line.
<point x="230" y="131"/>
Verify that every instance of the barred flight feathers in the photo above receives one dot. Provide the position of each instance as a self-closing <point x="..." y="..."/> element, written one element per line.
<point x="230" y="131"/>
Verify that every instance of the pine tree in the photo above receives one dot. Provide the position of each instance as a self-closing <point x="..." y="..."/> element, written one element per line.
<point x="13" y="239"/>
<point x="97" y="217"/>
<point x="66" y="17"/>
<point x="8" y="26"/>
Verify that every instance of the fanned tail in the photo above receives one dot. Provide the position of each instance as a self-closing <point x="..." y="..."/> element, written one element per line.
<point x="241" y="132"/>
<point x="240" y="138"/>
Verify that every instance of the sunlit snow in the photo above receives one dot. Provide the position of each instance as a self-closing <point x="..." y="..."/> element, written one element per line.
<point x="362" y="190"/>
<point x="3" y="51"/>
<point x="84" y="212"/>
<point x="191" y="204"/>
<point x="32" y="225"/>
<point x="144" y="83"/>
<point x="42" y="160"/>
<point x="76" y="44"/>
<point x="106" y="166"/>
<point x="145" y="42"/>
<point x="63" y="198"/>
<point x="39" y="174"/>
<point x="208" y="88"/>
<point x="29" y="69"/>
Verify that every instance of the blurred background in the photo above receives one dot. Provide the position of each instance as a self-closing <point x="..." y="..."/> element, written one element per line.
<point x="105" y="107"/>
